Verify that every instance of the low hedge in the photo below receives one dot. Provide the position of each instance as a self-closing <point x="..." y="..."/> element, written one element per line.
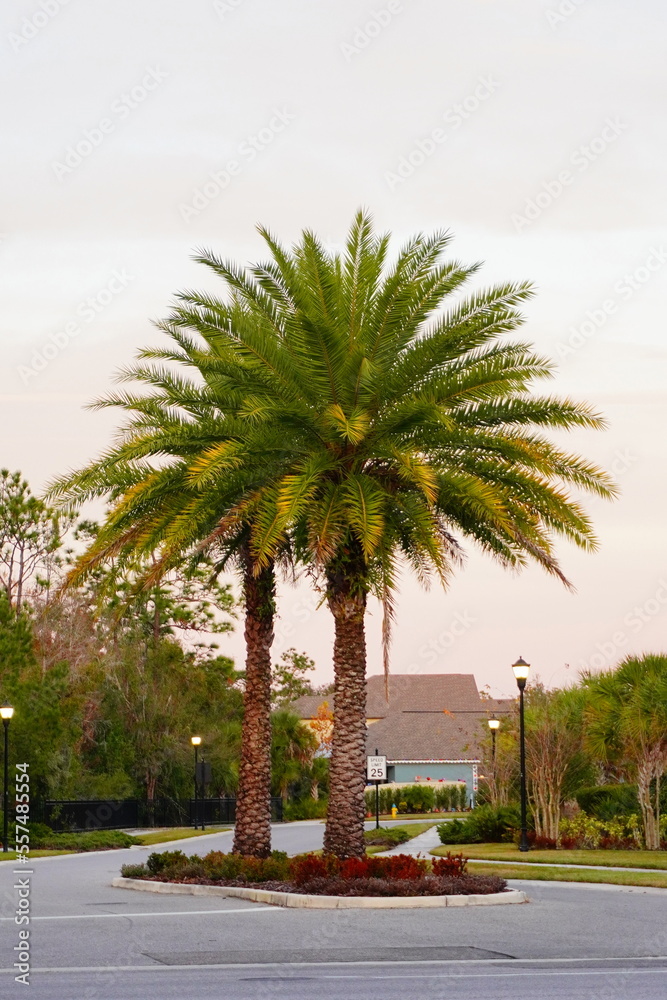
<point x="387" y="836"/>
<point x="419" y="798"/>
<point x="97" y="840"/>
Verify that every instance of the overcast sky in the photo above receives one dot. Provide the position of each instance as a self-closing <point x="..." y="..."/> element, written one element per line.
<point x="533" y="129"/>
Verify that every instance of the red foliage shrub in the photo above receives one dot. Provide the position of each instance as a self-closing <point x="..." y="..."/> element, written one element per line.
<point x="451" y="866"/>
<point x="541" y="843"/>
<point x="400" y="866"/>
<point x="306" y="867"/>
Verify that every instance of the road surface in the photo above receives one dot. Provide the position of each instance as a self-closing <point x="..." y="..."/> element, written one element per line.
<point x="89" y="941"/>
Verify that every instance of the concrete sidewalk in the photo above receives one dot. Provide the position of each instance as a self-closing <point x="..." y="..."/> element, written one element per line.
<point x="422" y="844"/>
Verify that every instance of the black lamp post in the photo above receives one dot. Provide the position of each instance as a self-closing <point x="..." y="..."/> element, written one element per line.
<point x="494" y="725"/>
<point x="196" y="740"/>
<point x="521" y="670"/>
<point x="6" y="712"/>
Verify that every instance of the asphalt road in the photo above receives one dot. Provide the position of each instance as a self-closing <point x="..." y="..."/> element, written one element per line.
<point x="101" y="943"/>
<point x="372" y="982"/>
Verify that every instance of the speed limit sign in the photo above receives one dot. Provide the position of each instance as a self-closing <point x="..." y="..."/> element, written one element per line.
<point x="376" y="768"/>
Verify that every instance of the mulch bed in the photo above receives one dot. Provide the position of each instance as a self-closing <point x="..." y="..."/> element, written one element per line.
<point x="465" y="885"/>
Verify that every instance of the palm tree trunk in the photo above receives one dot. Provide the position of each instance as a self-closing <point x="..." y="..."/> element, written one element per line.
<point x="252" y="833"/>
<point x="344" y="834"/>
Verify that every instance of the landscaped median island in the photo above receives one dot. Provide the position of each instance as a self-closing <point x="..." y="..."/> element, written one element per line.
<point x="324" y="876"/>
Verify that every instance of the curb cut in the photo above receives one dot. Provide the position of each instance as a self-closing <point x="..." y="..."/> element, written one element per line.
<point x="293" y="899"/>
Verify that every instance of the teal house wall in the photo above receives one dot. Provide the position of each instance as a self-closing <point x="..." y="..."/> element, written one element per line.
<point x="408" y="773"/>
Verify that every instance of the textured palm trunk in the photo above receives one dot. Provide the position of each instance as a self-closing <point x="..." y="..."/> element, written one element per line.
<point x="344" y="834"/>
<point x="252" y="832"/>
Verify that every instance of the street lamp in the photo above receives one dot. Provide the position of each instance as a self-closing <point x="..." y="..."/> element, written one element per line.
<point x="6" y="712"/>
<point x="494" y="725"/>
<point x="196" y="740"/>
<point x="521" y="670"/>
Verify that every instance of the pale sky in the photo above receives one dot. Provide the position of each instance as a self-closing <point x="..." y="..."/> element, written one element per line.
<point x="532" y="129"/>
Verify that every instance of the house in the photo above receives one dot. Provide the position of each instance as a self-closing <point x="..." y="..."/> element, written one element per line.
<point x="429" y="727"/>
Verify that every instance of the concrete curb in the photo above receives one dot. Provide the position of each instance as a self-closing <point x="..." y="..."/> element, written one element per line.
<point x="322" y="902"/>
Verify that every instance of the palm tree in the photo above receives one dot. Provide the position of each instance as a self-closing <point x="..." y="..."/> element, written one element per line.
<point x="403" y="425"/>
<point x="293" y="748"/>
<point x="374" y="425"/>
<point x="165" y="509"/>
<point x="626" y="724"/>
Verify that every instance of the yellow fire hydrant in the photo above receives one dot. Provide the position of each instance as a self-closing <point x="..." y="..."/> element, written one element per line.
<point x="394" y="812"/>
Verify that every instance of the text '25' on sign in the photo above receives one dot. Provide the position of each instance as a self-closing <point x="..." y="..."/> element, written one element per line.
<point x="376" y="768"/>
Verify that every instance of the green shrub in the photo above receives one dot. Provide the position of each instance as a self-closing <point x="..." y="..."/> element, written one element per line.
<point x="584" y="831"/>
<point x="307" y="808"/>
<point x="229" y="867"/>
<point x="390" y="836"/>
<point x="99" y="840"/>
<point x="455" y="831"/>
<point x="134" y="871"/>
<point x="158" y="861"/>
<point x="418" y="798"/>
<point x="605" y="802"/>
<point x="39" y="831"/>
<point x="483" y="825"/>
<point x="451" y="798"/>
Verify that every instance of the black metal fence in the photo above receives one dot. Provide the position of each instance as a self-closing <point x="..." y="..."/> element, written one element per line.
<point x="126" y="814"/>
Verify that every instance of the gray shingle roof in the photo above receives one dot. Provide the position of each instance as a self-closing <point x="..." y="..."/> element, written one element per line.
<point x="454" y="692"/>
<point x="427" y="717"/>
<point x="426" y="736"/>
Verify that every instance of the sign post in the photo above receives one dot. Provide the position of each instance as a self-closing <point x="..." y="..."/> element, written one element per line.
<point x="376" y="771"/>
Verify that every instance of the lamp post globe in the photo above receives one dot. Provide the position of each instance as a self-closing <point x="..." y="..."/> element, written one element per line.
<point x="494" y="725"/>
<point x="521" y="670"/>
<point x="6" y="712"/>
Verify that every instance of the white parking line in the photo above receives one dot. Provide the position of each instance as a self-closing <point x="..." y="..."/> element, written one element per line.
<point x="170" y="913"/>
<point x="280" y="966"/>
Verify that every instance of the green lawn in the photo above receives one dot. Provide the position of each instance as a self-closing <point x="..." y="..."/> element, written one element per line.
<point x="655" y="879"/>
<point x="11" y="855"/>
<point x="508" y="852"/>
<point x="177" y="833"/>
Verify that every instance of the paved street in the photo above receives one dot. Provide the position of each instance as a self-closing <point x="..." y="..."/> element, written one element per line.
<point x="154" y="946"/>
<point x="373" y="982"/>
